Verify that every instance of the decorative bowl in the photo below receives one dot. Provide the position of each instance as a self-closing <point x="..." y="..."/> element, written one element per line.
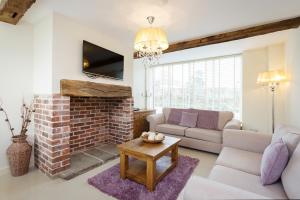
<point x="145" y="139"/>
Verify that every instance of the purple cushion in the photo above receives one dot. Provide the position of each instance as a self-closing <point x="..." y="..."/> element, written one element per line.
<point x="207" y="119"/>
<point x="188" y="119"/>
<point x="274" y="160"/>
<point x="175" y="115"/>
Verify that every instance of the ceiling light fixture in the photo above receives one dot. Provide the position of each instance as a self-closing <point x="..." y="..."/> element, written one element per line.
<point x="150" y="43"/>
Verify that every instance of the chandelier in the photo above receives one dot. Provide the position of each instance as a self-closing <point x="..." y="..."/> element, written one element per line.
<point x="150" y="43"/>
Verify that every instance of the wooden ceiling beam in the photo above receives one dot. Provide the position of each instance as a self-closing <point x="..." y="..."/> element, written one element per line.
<point x="11" y="11"/>
<point x="235" y="35"/>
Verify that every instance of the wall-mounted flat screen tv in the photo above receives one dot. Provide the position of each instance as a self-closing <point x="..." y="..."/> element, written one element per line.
<point x="97" y="61"/>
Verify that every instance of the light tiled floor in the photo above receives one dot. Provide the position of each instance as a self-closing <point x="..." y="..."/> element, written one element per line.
<point x="37" y="186"/>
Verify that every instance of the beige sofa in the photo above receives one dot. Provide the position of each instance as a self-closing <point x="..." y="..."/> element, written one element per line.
<point x="197" y="138"/>
<point x="236" y="174"/>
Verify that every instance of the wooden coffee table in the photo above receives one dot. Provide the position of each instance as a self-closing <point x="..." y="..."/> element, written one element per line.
<point x="151" y="161"/>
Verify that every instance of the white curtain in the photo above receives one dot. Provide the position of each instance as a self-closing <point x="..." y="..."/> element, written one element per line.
<point x="212" y="84"/>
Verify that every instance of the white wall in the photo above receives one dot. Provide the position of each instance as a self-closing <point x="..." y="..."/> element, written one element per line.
<point x="292" y="107"/>
<point x="67" y="52"/>
<point x="138" y="88"/>
<point x="256" y="109"/>
<point x="16" y="78"/>
<point x="43" y="55"/>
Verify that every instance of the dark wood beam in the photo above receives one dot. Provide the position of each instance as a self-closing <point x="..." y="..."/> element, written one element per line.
<point x="235" y="35"/>
<point x="11" y="11"/>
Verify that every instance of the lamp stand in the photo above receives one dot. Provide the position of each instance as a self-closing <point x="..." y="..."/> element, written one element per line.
<point x="273" y="107"/>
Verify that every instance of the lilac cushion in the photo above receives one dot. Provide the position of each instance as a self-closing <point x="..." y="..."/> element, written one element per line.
<point x="188" y="119"/>
<point x="274" y="160"/>
<point x="175" y="115"/>
<point x="207" y="119"/>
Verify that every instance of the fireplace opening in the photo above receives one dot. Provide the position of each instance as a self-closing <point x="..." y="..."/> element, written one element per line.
<point x="68" y="125"/>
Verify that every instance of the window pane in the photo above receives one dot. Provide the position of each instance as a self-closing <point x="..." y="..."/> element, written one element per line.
<point x="213" y="84"/>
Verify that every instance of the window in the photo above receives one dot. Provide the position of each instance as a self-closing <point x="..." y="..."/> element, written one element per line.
<point x="212" y="84"/>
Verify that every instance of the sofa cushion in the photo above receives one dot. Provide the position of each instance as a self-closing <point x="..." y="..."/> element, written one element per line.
<point x="207" y="119"/>
<point x="171" y="129"/>
<point x="273" y="162"/>
<point x="202" y="188"/>
<point x="204" y="134"/>
<point x="289" y="135"/>
<point x="291" y="175"/>
<point x="246" y="181"/>
<point x="188" y="119"/>
<point x="166" y="112"/>
<point x="245" y="161"/>
<point x="291" y="140"/>
<point x="175" y="115"/>
<point x="224" y="117"/>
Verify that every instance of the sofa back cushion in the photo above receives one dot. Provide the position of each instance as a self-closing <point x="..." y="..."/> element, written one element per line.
<point x="289" y="135"/>
<point x="291" y="177"/>
<point x="175" y="115"/>
<point x="207" y="119"/>
<point x="166" y="112"/>
<point x="224" y="117"/>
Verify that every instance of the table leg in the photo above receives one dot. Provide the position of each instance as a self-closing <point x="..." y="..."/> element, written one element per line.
<point x="151" y="168"/>
<point x="175" y="154"/>
<point x="123" y="164"/>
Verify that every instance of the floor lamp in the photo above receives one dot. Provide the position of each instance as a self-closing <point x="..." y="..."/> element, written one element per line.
<point x="272" y="79"/>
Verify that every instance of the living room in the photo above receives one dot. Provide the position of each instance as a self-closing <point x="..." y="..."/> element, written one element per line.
<point x="149" y="99"/>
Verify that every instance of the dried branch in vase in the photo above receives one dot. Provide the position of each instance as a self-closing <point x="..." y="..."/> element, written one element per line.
<point x="7" y="120"/>
<point x="26" y="113"/>
<point x="26" y="117"/>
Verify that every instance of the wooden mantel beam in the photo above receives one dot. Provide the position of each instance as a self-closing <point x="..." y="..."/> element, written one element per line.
<point x="76" y="88"/>
<point x="235" y="35"/>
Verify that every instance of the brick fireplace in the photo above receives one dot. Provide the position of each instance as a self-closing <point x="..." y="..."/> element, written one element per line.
<point x="84" y="115"/>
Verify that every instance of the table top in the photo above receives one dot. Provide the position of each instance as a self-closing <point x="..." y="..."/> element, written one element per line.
<point x="140" y="148"/>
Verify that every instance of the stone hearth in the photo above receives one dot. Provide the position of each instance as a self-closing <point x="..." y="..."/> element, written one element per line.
<point x="65" y="125"/>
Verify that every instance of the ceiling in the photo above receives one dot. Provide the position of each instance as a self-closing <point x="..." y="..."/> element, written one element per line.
<point x="182" y="19"/>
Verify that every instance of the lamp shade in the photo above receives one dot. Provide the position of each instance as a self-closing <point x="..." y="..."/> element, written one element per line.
<point x="151" y="39"/>
<point x="271" y="77"/>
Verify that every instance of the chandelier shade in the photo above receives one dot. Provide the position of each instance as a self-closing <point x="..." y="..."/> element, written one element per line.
<point x="150" y="43"/>
<point x="151" y="39"/>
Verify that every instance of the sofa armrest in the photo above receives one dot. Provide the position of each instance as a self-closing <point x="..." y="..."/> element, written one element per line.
<point x="202" y="188"/>
<point x="155" y="119"/>
<point x="246" y="140"/>
<point x="233" y="124"/>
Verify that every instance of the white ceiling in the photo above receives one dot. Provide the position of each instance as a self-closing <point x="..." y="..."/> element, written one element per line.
<point x="182" y="19"/>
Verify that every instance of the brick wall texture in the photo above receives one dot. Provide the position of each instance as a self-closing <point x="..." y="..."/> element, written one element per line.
<point x="65" y="125"/>
<point x="95" y="120"/>
<point x="52" y="133"/>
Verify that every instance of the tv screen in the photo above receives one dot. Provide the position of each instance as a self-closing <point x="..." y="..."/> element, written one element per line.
<point x="98" y="61"/>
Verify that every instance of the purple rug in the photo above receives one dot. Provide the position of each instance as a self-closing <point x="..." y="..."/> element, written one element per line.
<point x="168" y="188"/>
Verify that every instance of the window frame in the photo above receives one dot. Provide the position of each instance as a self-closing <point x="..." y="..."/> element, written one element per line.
<point x="150" y="87"/>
